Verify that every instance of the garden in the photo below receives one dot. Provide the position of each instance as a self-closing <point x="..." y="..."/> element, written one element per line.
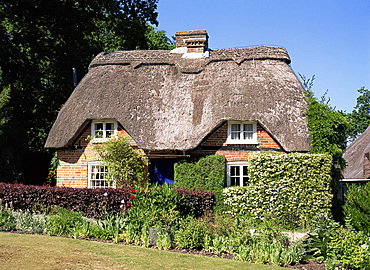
<point x="282" y="217"/>
<point x="163" y="217"/>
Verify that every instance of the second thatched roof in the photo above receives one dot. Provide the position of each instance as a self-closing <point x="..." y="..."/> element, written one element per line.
<point x="355" y="156"/>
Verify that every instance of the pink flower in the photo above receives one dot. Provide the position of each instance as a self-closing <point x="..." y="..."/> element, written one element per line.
<point x="121" y="206"/>
<point x="105" y="194"/>
<point x="123" y="201"/>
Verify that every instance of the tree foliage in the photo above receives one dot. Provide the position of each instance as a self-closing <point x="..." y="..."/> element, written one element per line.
<point x="40" y="42"/>
<point x="327" y="126"/>
<point x="126" y="167"/>
<point x="360" y="116"/>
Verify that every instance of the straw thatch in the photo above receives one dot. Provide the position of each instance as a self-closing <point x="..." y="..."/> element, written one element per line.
<point x="166" y="102"/>
<point x="355" y="156"/>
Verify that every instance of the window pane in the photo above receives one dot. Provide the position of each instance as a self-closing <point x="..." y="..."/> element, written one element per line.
<point x="109" y="126"/>
<point x="248" y="135"/>
<point x="234" y="171"/>
<point x="248" y="127"/>
<point x="233" y="181"/>
<point x="235" y="127"/>
<point x="235" y="135"/>
<point x="245" y="170"/>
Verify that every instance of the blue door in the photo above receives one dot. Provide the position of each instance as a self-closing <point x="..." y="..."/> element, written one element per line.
<point x="161" y="170"/>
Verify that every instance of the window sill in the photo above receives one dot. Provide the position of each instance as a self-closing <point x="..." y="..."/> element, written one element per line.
<point x="100" y="140"/>
<point x="242" y="142"/>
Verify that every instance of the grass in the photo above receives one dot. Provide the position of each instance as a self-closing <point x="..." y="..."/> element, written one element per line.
<point x="27" y="251"/>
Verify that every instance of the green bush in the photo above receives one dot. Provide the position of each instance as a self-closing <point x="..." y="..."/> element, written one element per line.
<point x="7" y="221"/>
<point x="320" y="236"/>
<point x="207" y="173"/>
<point x="154" y="206"/>
<point x="348" y="247"/>
<point x="357" y="207"/>
<point x="27" y="221"/>
<point x="63" y="222"/>
<point x="294" y="186"/>
<point x="126" y="166"/>
<point x="191" y="233"/>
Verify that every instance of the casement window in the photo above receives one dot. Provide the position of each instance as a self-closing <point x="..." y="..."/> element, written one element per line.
<point x="97" y="176"/>
<point x="237" y="174"/>
<point x="242" y="132"/>
<point x="101" y="130"/>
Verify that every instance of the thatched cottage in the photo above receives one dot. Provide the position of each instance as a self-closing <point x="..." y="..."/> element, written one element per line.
<point x="191" y="101"/>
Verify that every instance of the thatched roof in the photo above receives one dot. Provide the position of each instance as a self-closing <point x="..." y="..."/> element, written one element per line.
<point x="166" y="102"/>
<point x="355" y="156"/>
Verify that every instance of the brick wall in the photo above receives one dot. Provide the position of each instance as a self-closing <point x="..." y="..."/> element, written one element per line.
<point x="72" y="163"/>
<point x="218" y="141"/>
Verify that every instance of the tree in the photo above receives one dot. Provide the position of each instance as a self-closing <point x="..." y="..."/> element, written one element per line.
<point x="40" y="42"/>
<point x="327" y="127"/>
<point x="126" y="167"/>
<point x="359" y="118"/>
<point x="328" y="130"/>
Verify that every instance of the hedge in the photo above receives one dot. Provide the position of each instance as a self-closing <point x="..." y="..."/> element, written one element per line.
<point x="206" y="173"/>
<point x="92" y="202"/>
<point x="284" y="185"/>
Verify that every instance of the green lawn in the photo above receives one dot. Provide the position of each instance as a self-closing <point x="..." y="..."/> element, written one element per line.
<point x="24" y="251"/>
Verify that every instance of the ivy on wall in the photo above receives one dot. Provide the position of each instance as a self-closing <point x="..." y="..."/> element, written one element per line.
<point x="284" y="184"/>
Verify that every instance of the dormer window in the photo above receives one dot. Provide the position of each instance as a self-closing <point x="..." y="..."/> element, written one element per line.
<point x="242" y="132"/>
<point x="101" y="130"/>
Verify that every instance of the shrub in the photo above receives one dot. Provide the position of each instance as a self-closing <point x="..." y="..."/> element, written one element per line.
<point x="7" y="221"/>
<point x="191" y="233"/>
<point x="27" y="221"/>
<point x="284" y="183"/>
<point x="94" y="203"/>
<point x="207" y="173"/>
<point x="195" y="202"/>
<point x="63" y="222"/>
<point x="154" y="206"/>
<point x="164" y="240"/>
<point x="357" y="207"/>
<point x="90" y="202"/>
<point x="347" y="246"/>
<point x="320" y="236"/>
<point x="126" y="166"/>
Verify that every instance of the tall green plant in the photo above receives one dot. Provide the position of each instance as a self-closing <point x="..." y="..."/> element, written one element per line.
<point x="127" y="167"/>
<point x="357" y="207"/>
<point x="154" y="206"/>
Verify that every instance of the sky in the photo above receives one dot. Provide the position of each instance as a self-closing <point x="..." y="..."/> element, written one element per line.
<point x="328" y="38"/>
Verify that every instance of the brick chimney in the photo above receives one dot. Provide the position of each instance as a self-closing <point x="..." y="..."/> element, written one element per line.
<point x="196" y="41"/>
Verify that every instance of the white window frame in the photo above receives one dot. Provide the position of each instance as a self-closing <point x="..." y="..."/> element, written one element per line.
<point x="239" y="164"/>
<point x="104" y="122"/>
<point x="91" y="176"/>
<point x="241" y="131"/>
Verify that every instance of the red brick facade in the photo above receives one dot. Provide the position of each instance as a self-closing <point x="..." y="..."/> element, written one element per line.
<point x="217" y="142"/>
<point x="73" y="163"/>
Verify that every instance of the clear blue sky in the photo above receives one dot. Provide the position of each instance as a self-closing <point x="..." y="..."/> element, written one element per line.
<point x="326" y="38"/>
